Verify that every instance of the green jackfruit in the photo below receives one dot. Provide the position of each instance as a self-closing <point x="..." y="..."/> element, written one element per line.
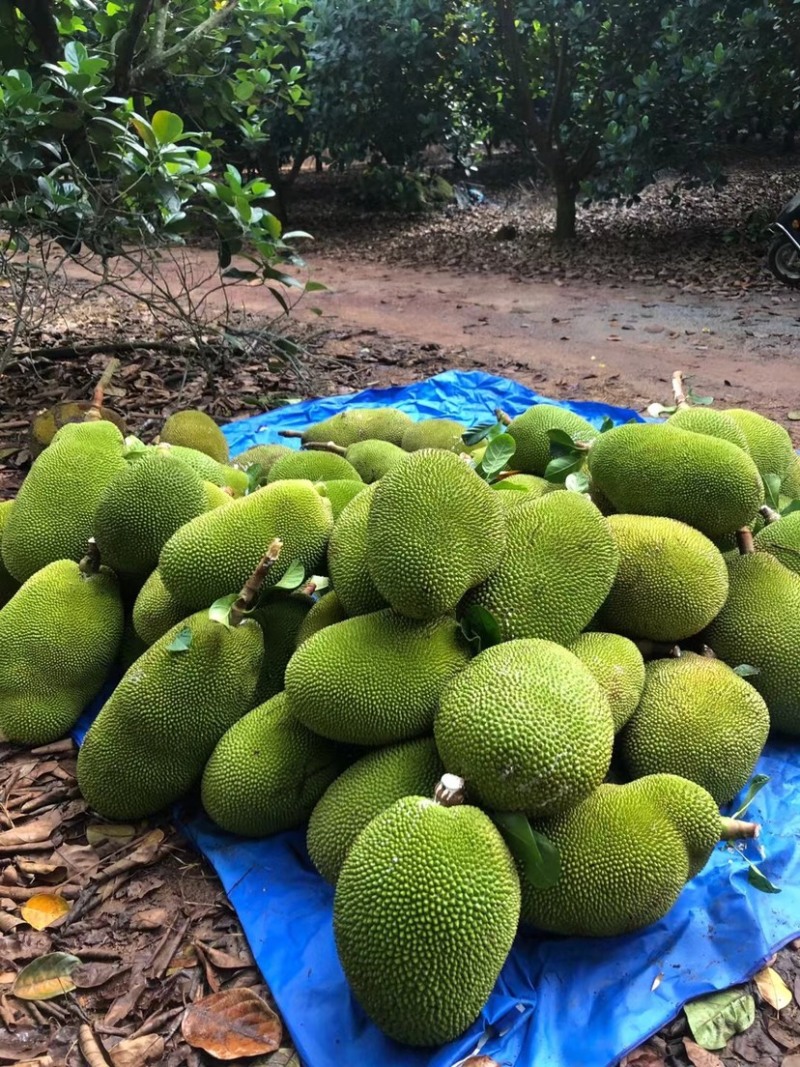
<point x="267" y="772"/>
<point x="697" y="719"/>
<point x="529" y="431"/>
<point x="435" y="530"/>
<point x="156" y="610"/>
<point x="533" y="485"/>
<point x="53" y="514"/>
<point x="671" y="580"/>
<point x="312" y="466"/>
<point x="648" y="469"/>
<point x="374" y="679"/>
<point x="527" y="726"/>
<point x="626" y="853"/>
<point x="215" y="496"/>
<point x="372" y="459"/>
<point x="782" y="540"/>
<point x="340" y="491"/>
<point x="426" y="892"/>
<point x="760" y="625"/>
<point x="213" y="555"/>
<point x="195" y="429"/>
<point x="769" y="444"/>
<point x="559" y="565"/>
<point x="365" y="789"/>
<point x="46" y="423"/>
<point x="263" y="456"/>
<point x="131" y="647"/>
<point x="617" y="666"/>
<point x="445" y="434"/>
<point x="359" y="424"/>
<point x="156" y="732"/>
<point x="209" y="469"/>
<point x="711" y="423"/>
<point x="280" y="616"/>
<point x="791" y="481"/>
<point x="142" y="508"/>
<point x="347" y="558"/>
<point x="325" y="612"/>
<point x="8" y="585"/>
<point x="59" y="635"/>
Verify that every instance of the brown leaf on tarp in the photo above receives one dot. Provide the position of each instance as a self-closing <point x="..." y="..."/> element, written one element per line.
<point x="644" y="1056"/>
<point x="138" y="1051"/>
<point x="478" y="1061"/>
<point x="47" y="977"/>
<point x="772" y="988"/>
<point x="701" y="1057"/>
<point x="93" y="975"/>
<point x="43" y="910"/>
<point x="33" y="832"/>
<point x="232" y="1024"/>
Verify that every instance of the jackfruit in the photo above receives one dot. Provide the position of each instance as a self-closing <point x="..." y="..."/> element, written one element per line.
<point x="559" y="565"/>
<point x="195" y="429"/>
<point x="711" y="423"/>
<point x="46" y="423"/>
<point x="535" y="485"/>
<point x="697" y="719"/>
<point x="435" y="530"/>
<point x="374" y="679"/>
<point x="215" y="496"/>
<point x="154" y="735"/>
<point x="209" y="469"/>
<point x="791" y="481"/>
<point x="426" y="892"/>
<point x="325" y="612"/>
<point x="340" y="491"/>
<point x="312" y="466"/>
<point x="156" y="610"/>
<point x="280" y="615"/>
<point x="142" y="508"/>
<point x="358" y="424"/>
<point x="760" y="626"/>
<point x="444" y="434"/>
<point x="212" y="556"/>
<point x="670" y="583"/>
<point x="617" y="666"/>
<point x="347" y="558"/>
<point x="372" y="459"/>
<point x="529" y="431"/>
<point x="769" y="444"/>
<point x="8" y="585"/>
<point x="263" y="456"/>
<point x="53" y="514"/>
<point x="267" y="772"/>
<point x="366" y="788"/>
<point x="59" y="635"/>
<point x="647" y="469"/>
<point x="626" y="853"/>
<point x="131" y="647"/>
<point x="782" y="540"/>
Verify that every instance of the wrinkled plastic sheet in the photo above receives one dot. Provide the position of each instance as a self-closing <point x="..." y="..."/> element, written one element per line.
<point x="559" y="1002"/>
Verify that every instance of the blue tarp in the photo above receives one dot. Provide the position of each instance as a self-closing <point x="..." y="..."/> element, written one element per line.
<point x="559" y="1002"/>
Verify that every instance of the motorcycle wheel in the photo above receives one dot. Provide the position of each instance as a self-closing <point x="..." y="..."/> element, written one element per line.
<point x="783" y="259"/>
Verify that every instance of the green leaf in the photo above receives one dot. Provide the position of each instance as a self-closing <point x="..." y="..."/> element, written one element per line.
<point x="758" y="880"/>
<point x="498" y="453"/>
<point x="294" y="576"/>
<point x="791" y="507"/>
<point x="167" y="127"/>
<point x="477" y="433"/>
<point x="772" y="490"/>
<point x="607" y="424"/>
<point x="715" y="1019"/>
<point x="46" y="977"/>
<point x="561" y="444"/>
<point x="181" y="643"/>
<point x="746" y="670"/>
<point x="480" y="627"/>
<point x="703" y="400"/>
<point x="757" y="783"/>
<point x="145" y="131"/>
<point x="559" y="469"/>
<point x="220" y="610"/>
<point x="536" y="854"/>
<point x="315" y="287"/>
<point x="504" y="483"/>
<point x="578" y="482"/>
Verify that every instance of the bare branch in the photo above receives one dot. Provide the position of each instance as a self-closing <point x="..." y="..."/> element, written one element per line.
<point x="127" y="46"/>
<point x="39" y="16"/>
<point x="157" y="61"/>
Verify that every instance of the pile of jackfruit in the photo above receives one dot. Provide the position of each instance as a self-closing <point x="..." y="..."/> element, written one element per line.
<point x="507" y="673"/>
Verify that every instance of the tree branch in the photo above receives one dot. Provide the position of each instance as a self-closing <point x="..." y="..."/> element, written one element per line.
<point x="156" y="61"/>
<point x="39" y="16"/>
<point x="127" y="47"/>
<point x="515" y="61"/>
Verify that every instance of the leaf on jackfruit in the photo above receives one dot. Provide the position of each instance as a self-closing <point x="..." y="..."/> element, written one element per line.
<point x="220" y="610"/>
<point x="537" y="855"/>
<point x="715" y="1019"/>
<point x="757" y="783"/>
<point x="480" y="628"/>
<point x="182" y="643"/>
<point x="293" y="577"/>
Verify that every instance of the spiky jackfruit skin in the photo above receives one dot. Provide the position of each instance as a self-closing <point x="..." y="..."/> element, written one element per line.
<point x="131" y="647"/>
<point x="340" y="491"/>
<point x="782" y="540"/>
<point x="280" y="615"/>
<point x="760" y="625"/>
<point x="791" y="481"/>
<point x="444" y="434"/>
<point x="312" y="466"/>
<point x="426" y="893"/>
<point x="527" y="726"/>
<point x="529" y="431"/>
<point x="366" y="788"/>
<point x="618" y="668"/>
<point x="372" y="459"/>
<point x="215" y="496"/>
<point x="670" y="583"/>
<point x="647" y="469"/>
<point x="195" y="429"/>
<point x="8" y="585"/>
<point x="53" y="514"/>
<point x="156" y="610"/>
<point x="375" y="679"/>
<point x="59" y="635"/>
<point x="769" y="444"/>
<point x="626" y="853"/>
<point x="263" y="456"/>
<point x="325" y="612"/>
<point x="267" y="772"/>
<point x="697" y="719"/>
<point x="209" y="469"/>
<point x="156" y="732"/>
<point x="711" y="423"/>
<point x="347" y="558"/>
<point x="213" y="555"/>
<point x="558" y="567"/>
<point x="359" y="424"/>
<point x="142" y="508"/>
<point x="435" y="530"/>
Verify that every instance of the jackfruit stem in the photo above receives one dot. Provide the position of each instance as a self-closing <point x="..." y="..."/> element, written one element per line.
<point x="291" y="433"/>
<point x="737" y="829"/>
<point x="252" y="587"/>
<point x="94" y="414"/>
<point x="325" y="446"/>
<point x="501" y="416"/>
<point x="449" y="791"/>
<point x="677" y="390"/>
<point x="768" y="514"/>
<point x="90" y="564"/>
<point x="708" y="653"/>
<point x="744" y="542"/>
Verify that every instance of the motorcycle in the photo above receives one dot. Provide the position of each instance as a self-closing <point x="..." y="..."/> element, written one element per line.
<point x="783" y="257"/>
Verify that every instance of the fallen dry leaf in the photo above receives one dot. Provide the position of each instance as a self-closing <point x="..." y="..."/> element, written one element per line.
<point x="32" y="832"/>
<point x="772" y="989"/>
<point x="118" y="833"/>
<point x="644" y="1056"/>
<point x="232" y="1024"/>
<point x="701" y="1057"/>
<point x="48" y="976"/>
<point x="137" y="1051"/>
<point x="91" y="1049"/>
<point x="43" y="910"/>
<point x="92" y="975"/>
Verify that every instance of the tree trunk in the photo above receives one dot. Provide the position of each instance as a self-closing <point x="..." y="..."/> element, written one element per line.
<point x="566" y="195"/>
